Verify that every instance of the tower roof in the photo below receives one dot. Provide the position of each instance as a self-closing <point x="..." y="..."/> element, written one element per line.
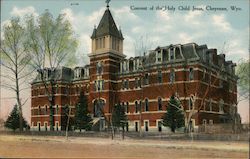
<point x="107" y="26"/>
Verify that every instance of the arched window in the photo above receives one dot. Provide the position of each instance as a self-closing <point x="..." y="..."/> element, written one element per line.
<point x="159" y="103"/>
<point x="146" y="105"/>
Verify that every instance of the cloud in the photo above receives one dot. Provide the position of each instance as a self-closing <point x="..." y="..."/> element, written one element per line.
<point x="23" y="11"/>
<point x="220" y="22"/>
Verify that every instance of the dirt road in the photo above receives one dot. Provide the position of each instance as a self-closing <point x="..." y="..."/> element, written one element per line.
<point x="51" y="147"/>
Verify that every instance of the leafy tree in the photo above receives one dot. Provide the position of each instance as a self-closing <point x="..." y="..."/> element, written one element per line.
<point x="174" y="117"/>
<point x="82" y="116"/>
<point x="243" y="72"/>
<point x="13" y="120"/>
<point x="119" y="118"/>
<point x="15" y="61"/>
<point x="51" y="44"/>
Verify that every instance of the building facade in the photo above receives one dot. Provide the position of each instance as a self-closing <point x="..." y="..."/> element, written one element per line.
<point x="200" y="78"/>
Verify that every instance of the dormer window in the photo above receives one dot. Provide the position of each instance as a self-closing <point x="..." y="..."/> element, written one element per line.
<point x="159" y="56"/>
<point x="171" y="53"/>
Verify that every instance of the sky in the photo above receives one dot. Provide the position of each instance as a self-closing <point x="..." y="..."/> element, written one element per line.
<point x="228" y="31"/>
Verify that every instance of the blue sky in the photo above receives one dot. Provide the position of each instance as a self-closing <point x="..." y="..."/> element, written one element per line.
<point x="161" y="27"/>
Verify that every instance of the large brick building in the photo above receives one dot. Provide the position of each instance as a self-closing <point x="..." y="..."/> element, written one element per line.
<point x="143" y="84"/>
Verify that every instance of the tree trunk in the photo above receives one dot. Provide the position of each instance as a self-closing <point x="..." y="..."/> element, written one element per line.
<point x="18" y="99"/>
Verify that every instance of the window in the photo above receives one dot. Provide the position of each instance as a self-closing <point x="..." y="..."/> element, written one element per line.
<point x="221" y="83"/>
<point x="136" y="126"/>
<point x="190" y="104"/>
<point x="146" y="125"/>
<point x="159" y="56"/>
<point x="172" y="76"/>
<point x="204" y="74"/>
<point x="57" y="126"/>
<point x="136" y="107"/>
<point x="204" y="121"/>
<point x="127" y="84"/>
<point x="146" y="105"/>
<point x="95" y="86"/>
<point x="172" y="54"/>
<point x="39" y="126"/>
<point x="127" y="126"/>
<point x="210" y="105"/>
<point x="159" y="103"/>
<point x="46" y="125"/>
<point x="57" y="109"/>
<point x="146" y="79"/>
<point x="159" y="123"/>
<point x="136" y="83"/>
<point x="39" y="110"/>
<point x="191" y="74"/>
<point x="127" y="107"/>
<point x="140" y="106"/>
<point x="57" y="89"/>
<point x="46" y="110"/>
<point x="103" y="43"/>
<point x="221" y="106"/>
<point x="211" y="122"/>
<point x="123" y="84"/>
<point x="99" y="68"/>
<point x="99" y="85"/>
<point x="102" y="84"/>
<point x="139" y="83"/>
<point x="159" y="77"/>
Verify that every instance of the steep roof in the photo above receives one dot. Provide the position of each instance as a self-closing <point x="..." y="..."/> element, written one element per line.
<point x="107" y="26"/>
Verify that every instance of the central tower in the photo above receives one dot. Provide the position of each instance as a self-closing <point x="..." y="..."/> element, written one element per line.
<point x="107" y="52"/>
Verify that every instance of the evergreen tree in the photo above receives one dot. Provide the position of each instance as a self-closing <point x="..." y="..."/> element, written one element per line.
<point x="174" y="117"/>
<point x="119" y="118"/>
<point x="13" y="120"/>
<point x="83" y="119"/>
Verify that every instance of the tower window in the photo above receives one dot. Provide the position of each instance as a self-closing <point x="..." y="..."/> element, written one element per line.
<point x="99" y="67"/>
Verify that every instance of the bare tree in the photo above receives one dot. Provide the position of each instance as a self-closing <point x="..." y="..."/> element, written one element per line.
<point x="51" y="44"/>
<point x="141" y="47"/>
<point x="15" y="61"/>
